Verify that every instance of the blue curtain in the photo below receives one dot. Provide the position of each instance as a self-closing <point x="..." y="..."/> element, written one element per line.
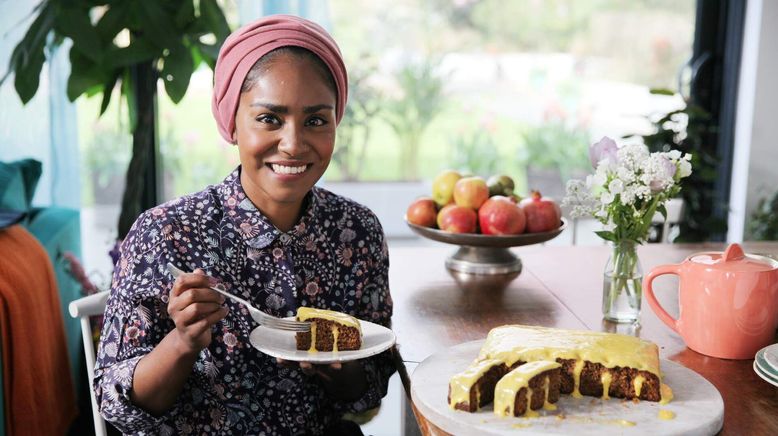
<point x="45" y="129"/>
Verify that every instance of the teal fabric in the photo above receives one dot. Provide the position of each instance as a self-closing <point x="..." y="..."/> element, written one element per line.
<point x="18" y="181"/>
<point x="59" y="231"/>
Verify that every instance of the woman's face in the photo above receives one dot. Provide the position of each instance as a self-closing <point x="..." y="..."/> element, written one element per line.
<point x="285" y="128"/>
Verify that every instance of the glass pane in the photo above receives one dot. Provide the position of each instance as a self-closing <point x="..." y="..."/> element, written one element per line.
<point x="519" y="87"/>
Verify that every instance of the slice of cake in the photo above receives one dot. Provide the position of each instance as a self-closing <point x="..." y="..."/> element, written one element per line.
<point x="474" y="387"/>
<point x="527" y="388"/>
<point x="593" y="363"/>
<point x="330" y="331"/>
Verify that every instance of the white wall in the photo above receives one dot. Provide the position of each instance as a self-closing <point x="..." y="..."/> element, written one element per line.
<point x="755" y="166"/>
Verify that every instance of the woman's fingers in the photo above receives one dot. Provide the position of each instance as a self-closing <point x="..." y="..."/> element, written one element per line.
<point x="190" y="280"/>
<point x="195" y="312"/>
<point x="205" y="323"/>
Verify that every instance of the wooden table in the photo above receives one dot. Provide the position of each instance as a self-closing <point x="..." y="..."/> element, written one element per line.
<point x="561" y="287"/>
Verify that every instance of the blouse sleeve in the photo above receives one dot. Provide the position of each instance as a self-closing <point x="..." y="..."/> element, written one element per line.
<point x="375" y="306"/>
<point x="135" y="320"/>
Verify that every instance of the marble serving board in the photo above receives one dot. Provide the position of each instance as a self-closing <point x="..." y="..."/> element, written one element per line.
<point x="698" y="406"/>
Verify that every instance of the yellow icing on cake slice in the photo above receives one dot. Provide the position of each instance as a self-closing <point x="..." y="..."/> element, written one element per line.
<point x="512" y="343"/>
<point x="508" y="386"/>
<point x="460" y="384"/>
<point x="606" y="378"/>
<point x="313" y="349"/>
<point x="308" y="313"/>
<point x="637" y="384"/>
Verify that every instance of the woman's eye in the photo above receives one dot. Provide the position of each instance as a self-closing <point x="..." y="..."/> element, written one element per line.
<point x="316" y="121"/>
<point x="268" y="119"/>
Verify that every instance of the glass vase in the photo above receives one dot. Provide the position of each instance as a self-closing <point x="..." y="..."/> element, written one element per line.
<point x="622" y="284"/>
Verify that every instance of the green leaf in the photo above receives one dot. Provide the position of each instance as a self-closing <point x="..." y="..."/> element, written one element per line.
<point x="604" y="234"/>
<point x="139" y="51"/>
<point x="108" y="92"/>
<point x="185" y="14"/>
<point x="28" y="56"/>
<point x="156" y="24"/>
<point x="209" y="53"/>
<point x="113" y="20"/>
<point x="76" y="25"/>
<point x="28" y="77"/>
<point x="177" y="71"/>
<point x="84" y="75"/>
<point x="662" y="210"/>
<point x="212" y="15"/>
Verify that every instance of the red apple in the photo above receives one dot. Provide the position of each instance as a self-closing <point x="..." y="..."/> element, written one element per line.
<point x="543" y="214"/>
<point x="457" y="219"/>
<point x="499" y="215"/>
<point x="422" y="212"/>
<point x="471" y="192"/>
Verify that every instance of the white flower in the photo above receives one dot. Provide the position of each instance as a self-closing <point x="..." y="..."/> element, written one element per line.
<point x="674" y="154"/>
<point x="684" y="168"/>
<point x="606" y="198"/>
<point x="616" y="186"/>
<point x="603" y="150"/>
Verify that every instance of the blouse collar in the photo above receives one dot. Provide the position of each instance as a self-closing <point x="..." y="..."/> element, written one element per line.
<point x="251" y="224"/>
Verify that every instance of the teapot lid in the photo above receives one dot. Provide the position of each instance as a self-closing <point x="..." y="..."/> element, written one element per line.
<point x="734" y="259"/>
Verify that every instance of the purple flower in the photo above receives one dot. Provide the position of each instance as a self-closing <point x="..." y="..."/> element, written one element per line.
<point x="665" y="175"/>
<point x="606" y="148"/>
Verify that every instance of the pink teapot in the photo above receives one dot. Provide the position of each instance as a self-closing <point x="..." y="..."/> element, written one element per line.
<point x="728" y="302"/>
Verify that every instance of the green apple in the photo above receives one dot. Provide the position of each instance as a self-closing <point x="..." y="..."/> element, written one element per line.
<point x="443" y="187"/>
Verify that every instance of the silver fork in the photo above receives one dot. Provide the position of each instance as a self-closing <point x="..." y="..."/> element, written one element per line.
<point x="259" y="316"/>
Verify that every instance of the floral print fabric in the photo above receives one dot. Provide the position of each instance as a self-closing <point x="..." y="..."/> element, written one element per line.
<point x="335" y="258"/>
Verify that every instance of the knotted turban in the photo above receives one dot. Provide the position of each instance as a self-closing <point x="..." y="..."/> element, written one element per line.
<point x="244" y="47"/>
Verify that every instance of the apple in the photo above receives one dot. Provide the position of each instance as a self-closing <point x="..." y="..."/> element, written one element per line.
<point x="499" y="215"/>
<point x="443" y="187"/>
<point x="471" y="192"/>
<point x="422" y="212"/>
<point x="457" y="219"/>
<point x="543" y="214"/>
<point x="500" y="185"/>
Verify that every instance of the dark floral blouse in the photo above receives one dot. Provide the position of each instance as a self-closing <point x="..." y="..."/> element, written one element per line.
<point x="334" y="258"/>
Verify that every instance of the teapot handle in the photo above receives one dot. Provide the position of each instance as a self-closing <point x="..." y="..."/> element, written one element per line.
<point x="652" y="301"/>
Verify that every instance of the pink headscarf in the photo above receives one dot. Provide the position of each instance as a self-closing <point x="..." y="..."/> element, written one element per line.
<point x="244" y="47"/>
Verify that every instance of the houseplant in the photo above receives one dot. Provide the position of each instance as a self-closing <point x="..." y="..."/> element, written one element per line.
<point x="130" y="45"/>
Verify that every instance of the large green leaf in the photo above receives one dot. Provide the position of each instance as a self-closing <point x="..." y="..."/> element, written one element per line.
<point x="76" y="25"/>
<point x="108" y="92"/>
<point x="140" y="50"/>
<point x="185" y="14"/>
<point x="176" y="72"/>
<point x="84" y="74"/>
<point x="113" y="20"/>
<point x="28" y="56"/>
<point x="212" y="15"/>
<point x="157" y="24"/>
<point x="27" y="78"/>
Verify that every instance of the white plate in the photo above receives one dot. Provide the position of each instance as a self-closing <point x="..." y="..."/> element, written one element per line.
<point x="761" y="362"/>
<point x="279" y="343"/>
<point x="766" y="377"/>
<point x="771" y="356"/>
<point x="697" y="404"/>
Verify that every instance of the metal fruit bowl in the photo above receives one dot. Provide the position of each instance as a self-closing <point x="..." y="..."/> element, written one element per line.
<point x="484" y="261"/>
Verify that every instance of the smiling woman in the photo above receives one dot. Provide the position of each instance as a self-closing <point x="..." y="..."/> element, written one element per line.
<point x="269" y="236"/>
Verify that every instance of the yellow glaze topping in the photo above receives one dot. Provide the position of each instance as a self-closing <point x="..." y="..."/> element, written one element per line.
<point x="666" y="414"/>
<point x="508" y="386"/>
<point x="512" y="343"/>
<point x="461" y="383"/>
<point x="546" y="387"/>
<point x="335" y="332"/>
<point x="577" y="378"/>
<point x="606" y="379"/>
<point x="307" y="313"/>
<point x="637" y="384"/>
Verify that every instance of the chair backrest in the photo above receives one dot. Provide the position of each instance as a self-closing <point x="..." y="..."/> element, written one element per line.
<point x="83" y="308"/>
<point x="674" y="207"/>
